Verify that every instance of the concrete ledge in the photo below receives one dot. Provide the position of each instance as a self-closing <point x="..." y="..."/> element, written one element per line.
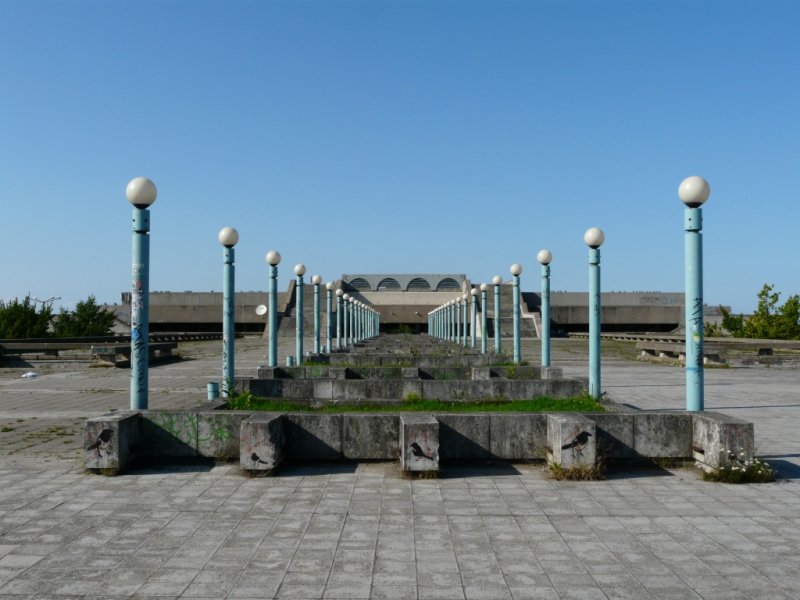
<point x="518" y="436"/>
<point x="109" y="441"/>
<point x="662" y="435"/>
<point x="313" y="437"/>
<point x="719" y="440"/>
<point x="261" y="442"/>
<point x="370" y="436"/>
<point x="419" y="443"/>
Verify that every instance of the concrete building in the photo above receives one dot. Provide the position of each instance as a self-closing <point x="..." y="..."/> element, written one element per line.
<point x="404" y="301"/>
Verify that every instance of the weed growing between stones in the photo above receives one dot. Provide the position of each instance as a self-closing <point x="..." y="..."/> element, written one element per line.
<point x="753" y="471"/>
<point x="578" y="472"/>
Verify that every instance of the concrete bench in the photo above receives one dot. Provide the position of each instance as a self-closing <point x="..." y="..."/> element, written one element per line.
<point x="110" y="441"/>
<point x="118" y="353"/>
<point x="571" y="440"/>
<point x="712" y="353"/>
<point x="419" y="443"/>
<point x="720" y="440"/>
<point x="261" y="442"/>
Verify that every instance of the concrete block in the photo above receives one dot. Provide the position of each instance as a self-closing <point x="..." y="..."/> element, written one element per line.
<point x="312" y="436"/>
<point x="464" y="436"/>
<point x="666" y="435"/>
<point x="614" y="435"/>
<point x="218" y="433"/>
<point x="370" y="436"/>
<point x="337" y="372"/>
<point x="518" y="436"/>
<point x="720" y="440"/>
<point x="552" y="373"/>
<point x="261" y="442"/>
<point x="571" y="440"/>
<point x="263" y="372"/>
<point x="109" y="441"/>
<point x="481" y="373"/>
<point x="409" y="372"/>
<point x="323" y="389"/>
<point x="419" y="443"/>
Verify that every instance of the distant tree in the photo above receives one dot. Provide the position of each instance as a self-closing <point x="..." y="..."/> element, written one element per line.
<point x="770" y="321"/>
<point x="22" y="320"/>
<point x="88" y="319"/>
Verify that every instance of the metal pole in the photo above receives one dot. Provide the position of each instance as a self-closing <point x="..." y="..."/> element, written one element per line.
<point x="316" y="317"/>
<point x="299" y="320"/>
<point x="693" y="238"/>
<point x="328" y="322"/>
<point x="140" y="302"/>
<point x="339" y="322"/>
<point x="497" y="318"/>
<point x="484" y="339"/>
<point x="517" y="349"/>
<point x="473" y="318"/>
<point x="594" y="322"/>
<point x="228" y="325"/>
<point x="273" y="316"/>
<point x="464" y="321"/>
<point x="545" y="315"/>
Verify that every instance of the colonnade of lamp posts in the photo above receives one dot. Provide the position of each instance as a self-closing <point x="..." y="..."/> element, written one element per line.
<point x="357" y="321"/>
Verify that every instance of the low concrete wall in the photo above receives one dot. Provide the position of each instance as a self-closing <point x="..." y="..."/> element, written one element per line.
<point x="112" y="441"/>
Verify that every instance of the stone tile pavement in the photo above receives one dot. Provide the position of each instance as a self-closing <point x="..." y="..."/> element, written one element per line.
<point x="362" y="531"/>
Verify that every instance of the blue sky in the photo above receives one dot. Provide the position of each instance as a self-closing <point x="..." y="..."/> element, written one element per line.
<point x="409" y="136"/>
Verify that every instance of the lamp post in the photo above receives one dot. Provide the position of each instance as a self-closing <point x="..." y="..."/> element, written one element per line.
<point x="464" y="297"/>
<point x="339" y="318"/>
<point x="516" y="269"/>
<point x="484" y="340"/>
<point x="141" y="192"/>
<point x="329" y="311"/>
<point x="497" y="280"/>
<point x="594" y="238"/>
<point x="316" y="280"/>
<point x="228" y="237"/>
<point x="346" y="324"/>
<point x="545" y="258"/>
<point x="457" y="313"/>
<point x="474" y="316"/>
<point x="299" y="271"/>
<point x="693" y="192"/>
<point x="352" y="317"/>
<point x="273" y="259"/>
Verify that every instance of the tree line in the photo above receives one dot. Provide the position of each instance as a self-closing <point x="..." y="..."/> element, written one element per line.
<point x="770" y="321"/>
<point x="25" y="320"/>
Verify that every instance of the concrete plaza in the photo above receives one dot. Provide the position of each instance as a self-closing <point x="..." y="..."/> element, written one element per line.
<point x="342" y="530"/>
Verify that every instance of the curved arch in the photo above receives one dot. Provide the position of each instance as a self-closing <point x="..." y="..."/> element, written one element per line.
<point x="389" y="283"/>
<point x="360" y="284"/>
<point x="418" y="284"/>
<point x="448" y="284"/>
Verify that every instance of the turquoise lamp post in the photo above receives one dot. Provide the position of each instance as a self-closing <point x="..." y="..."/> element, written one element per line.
<point x="464" y="321"/>
<point x="473" y="317"/>
<point x="299" y="271"/>
<point x="516" y="270"/>
<point x="545" y="258"/>
<point x="594" y="238"/>
<point x="693" y="192"/>
<point x="228" y="237"/>
<point x="339" y="318"/>
<point x="329" y="313"/>
<point x="141" y="192"/>
<point x="484" y="338"/>
<point x="316" y="280"/>
<point x="273" y="259"/>
<point x="497" y="281"/>
<point x="346" y="324"/>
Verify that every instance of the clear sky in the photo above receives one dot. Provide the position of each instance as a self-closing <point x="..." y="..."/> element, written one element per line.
<point x="398" y="136"/>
